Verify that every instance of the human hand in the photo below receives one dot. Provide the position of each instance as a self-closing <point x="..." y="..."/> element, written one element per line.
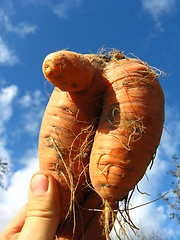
<point x="39" y="218"/>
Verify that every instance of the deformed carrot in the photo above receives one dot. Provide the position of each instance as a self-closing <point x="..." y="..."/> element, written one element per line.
<point x="107" y="108"/>
<point x="69" y="123"/>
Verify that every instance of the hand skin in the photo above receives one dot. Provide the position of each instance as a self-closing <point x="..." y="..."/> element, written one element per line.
<point x="39" y="218"/>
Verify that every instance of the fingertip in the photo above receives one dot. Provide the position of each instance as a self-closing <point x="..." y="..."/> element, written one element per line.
<point x="39" y="184"/>
<point x="43" y="207"/>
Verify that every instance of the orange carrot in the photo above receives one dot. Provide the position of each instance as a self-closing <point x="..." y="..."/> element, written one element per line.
<point x="106" y="108"/>
<point x="69" y="122"/>
<point x="129" y="130"/>
<point x="128" y="133"/>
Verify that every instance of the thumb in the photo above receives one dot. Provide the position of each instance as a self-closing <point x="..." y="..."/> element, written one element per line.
<point x="43" y="208"/>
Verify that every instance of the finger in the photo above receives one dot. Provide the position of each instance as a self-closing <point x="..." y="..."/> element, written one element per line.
<point x="93" y="216"/>
<point x="89" y="210"/>
<point x="95" y="228"/>
<point x="43" y="208"/>
<point x="86" y="213"/>
<point x="16" y="224"/>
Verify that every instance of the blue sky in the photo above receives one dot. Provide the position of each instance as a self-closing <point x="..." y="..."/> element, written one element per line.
<point x="30" y="29"/>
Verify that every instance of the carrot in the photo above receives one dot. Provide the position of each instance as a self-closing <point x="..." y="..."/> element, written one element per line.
<point x="68" y="125"/>
<point x="106" y="108"/>
<point x="129" y="130"/>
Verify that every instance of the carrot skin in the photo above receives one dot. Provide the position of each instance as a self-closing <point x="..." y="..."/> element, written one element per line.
<point x="129" y="130"/>
<point x="69" y="124"/>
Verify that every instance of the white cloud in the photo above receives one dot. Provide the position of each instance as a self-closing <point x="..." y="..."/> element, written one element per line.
<point x="21" y="28"/>
<point x="7" y="96"/>
<point x="151" y="219"/>
<point x="25" y="101"/>
<point x="158" y="8"/>
<point x="4" y="157"/>
<point x="171" y="135"/>
<point x="12" y="199"/>
<point x="4" y="154"/>
<point x="7" y="57"/>
<point x="33" y="109"/>
<point x="59" y="8"/>
<point x="8" y="6"/>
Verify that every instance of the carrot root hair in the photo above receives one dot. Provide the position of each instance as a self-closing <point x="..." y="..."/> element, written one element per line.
<point x="107" y="213"/>
<point x="118" y="219"/>
<point x="68" y="173"/>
